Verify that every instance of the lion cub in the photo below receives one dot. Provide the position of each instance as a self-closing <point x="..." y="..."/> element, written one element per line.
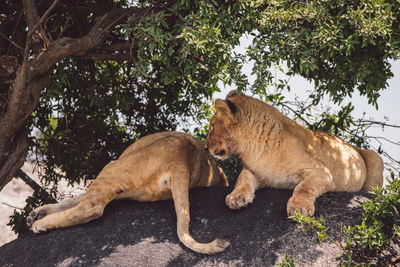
<point x="279" y="153"/>
<point x="156" y="167"/>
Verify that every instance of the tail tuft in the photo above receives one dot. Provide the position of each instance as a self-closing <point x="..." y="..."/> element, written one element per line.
<point x="218" y="245"/>
<point x="223" y="242"/>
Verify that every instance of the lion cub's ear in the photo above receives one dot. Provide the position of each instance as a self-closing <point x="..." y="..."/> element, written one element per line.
<point x="231" y="93"/>
<point x="226" y="108"/>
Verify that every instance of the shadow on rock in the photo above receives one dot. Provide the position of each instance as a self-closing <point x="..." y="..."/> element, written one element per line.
<point x="131" y="233"/>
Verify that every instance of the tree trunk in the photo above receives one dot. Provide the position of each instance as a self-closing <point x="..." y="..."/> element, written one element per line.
<point x="34" y="75"/>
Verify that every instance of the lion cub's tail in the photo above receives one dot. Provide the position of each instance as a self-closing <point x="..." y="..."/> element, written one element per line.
<point x="218" y="245"/>
<point x="375" y="166"/>
<point x="180" y="195"/>
<point x="183" y="218"/>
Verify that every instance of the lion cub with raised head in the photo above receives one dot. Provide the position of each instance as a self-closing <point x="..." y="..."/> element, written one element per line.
<point x="156" y="167"/>
<point x="277" y="152"/>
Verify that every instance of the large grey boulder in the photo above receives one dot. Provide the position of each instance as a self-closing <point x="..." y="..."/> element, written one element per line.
<point x="131" y="233"/>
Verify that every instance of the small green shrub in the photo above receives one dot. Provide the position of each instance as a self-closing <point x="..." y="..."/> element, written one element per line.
<point x="369" y="241"/>
<point x="377" y="230"/>
<point x="311" y="223"/>
<point x="18" y="219"/>
<point x="287" y="261"/>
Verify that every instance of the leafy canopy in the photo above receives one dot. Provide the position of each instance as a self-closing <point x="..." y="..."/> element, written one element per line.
<point x="339" y="45"/>
<point x="158" y="69"/>
<point x="181" y="52"/>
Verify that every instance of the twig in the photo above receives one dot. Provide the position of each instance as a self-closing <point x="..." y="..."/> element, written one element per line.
<point x="15" y="30"/>
<point x="11" y="41"/>
<point x="44" y="17"/>
<point x="385" y="139"/>
<point x="113" y="23"/>
<point x="381" y="123"/>
<point x="5" y="99"/>
<point x="297" y="114"/>
<point x="11" y="206"/>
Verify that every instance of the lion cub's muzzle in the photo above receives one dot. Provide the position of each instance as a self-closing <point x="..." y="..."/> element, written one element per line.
<point x="220" y="153"/>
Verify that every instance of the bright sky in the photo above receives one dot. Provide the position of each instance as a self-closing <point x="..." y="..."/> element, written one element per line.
<point x="389" y="104"/>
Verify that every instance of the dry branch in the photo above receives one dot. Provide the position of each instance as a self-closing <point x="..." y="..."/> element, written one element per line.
<point x="46" y="197"/>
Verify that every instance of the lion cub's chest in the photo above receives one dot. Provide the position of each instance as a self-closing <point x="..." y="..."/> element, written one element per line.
<point x="274" y="177"/>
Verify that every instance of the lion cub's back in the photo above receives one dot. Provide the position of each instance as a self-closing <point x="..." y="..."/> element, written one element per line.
<point x="145" y="169"/>
<point x="163" y="144"/>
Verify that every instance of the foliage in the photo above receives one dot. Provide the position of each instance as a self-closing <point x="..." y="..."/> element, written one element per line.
<point x="367" y="242"/>
<point x="18" y="219"/>
<point x="232" y="167"/>
<point x="97" y="104"/>
<point x="287" y="261"/>
<point x="180" y="53"/>
<point x="377" y="229"/>
<point x="311" y="223"/>
<point x="339" y="45"/>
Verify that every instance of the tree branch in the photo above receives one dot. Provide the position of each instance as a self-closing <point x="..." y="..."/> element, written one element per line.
<point x="31" y="14"/>
<point x="117" y="47"/>
<point x="11" y="41"/>
<point x="32" y="30"/>
<point x="105" y="57"/>
<point x="15" y="159"/>
<point x="66" y="47"/>
<point x="384" y="124"/>
<point x="81" y="10"/>
<point x="102" y="52"/>
<point x="34" y="75"/>
<point x="15" y="30"/>
<point x="32" y="18"/>
<point x="46" y="197"/>
<point x="33" y="23"/>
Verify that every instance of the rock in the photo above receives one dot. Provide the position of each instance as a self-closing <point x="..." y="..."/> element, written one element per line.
<point x="132" y="233"/>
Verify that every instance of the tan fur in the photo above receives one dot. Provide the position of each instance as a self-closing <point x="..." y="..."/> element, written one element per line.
<point x="279" y="153"/>
<point x="156" y="167"/>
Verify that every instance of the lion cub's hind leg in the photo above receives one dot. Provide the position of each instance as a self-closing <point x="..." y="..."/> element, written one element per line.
<point x="375" y="167"/>
<point x="48" y="209"/>
<point x="90" y="207"/>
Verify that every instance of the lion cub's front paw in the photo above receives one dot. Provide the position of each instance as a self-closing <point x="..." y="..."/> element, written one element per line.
<point x="237" y="200"/>
<point x="35" y="215"/>
<point x="303" y="205"/>
<point x="39" y="227"/>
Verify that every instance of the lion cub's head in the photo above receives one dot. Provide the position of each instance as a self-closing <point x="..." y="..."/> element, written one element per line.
<point x="220" y="139"/>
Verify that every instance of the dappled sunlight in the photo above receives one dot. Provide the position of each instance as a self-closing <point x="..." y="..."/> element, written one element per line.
<point x="148" y="250"/>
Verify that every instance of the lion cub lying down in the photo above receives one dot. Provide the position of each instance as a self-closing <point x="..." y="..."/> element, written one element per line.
<point x="279" y="153"/>
<point x="156" y="167"/>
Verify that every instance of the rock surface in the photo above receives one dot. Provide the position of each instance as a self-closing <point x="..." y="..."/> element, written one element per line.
<point x="131" y="233"/>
